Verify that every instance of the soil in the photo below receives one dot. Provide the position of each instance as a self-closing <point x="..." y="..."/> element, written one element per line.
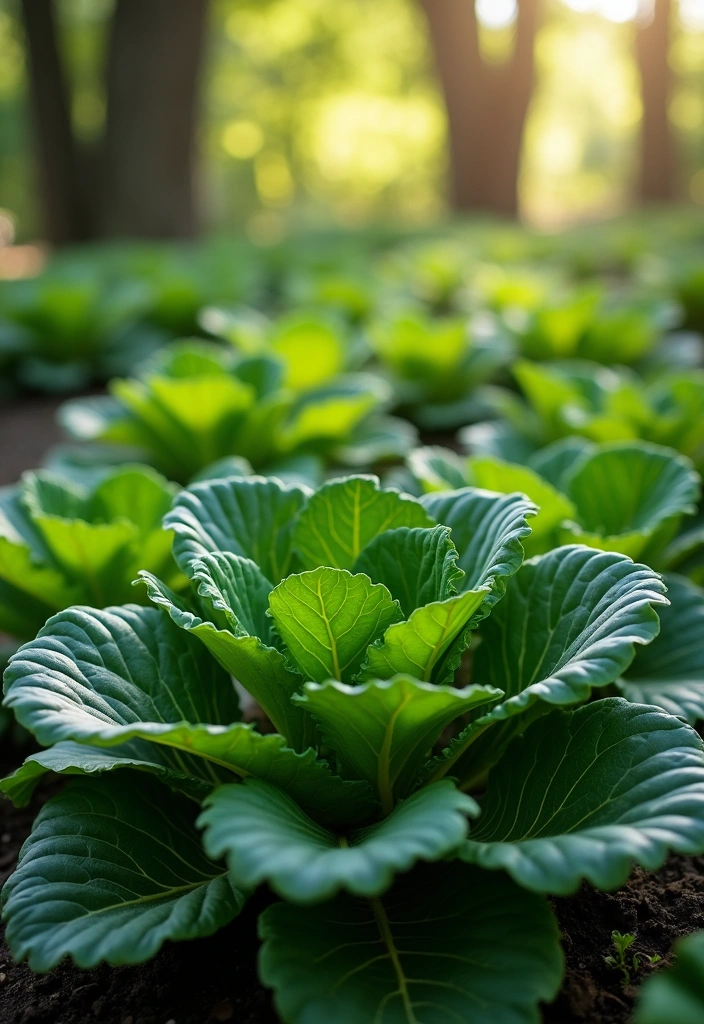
<point x="28" y="428"/>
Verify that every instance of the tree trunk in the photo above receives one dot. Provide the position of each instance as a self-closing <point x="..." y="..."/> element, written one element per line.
<point x="658" y="180"/>
<point x="486" y="105"/>
<point x="65" y="206"/>
<point x="154" y="62"/>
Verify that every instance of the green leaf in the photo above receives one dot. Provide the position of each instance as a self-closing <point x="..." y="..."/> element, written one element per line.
<point x="676" y="994"/>
<point x="506" y="477"/>
<point x="437" y="469"/>
<point x="266" y="837"/>
<point x="102" y="675"/>
<point x="556" y="461"/>
<point x="262" y="670"/>
<point x="70" y="758"/>
<point x="112" y="870"/>
<point x="417" y="647"/>
<point x="376" y="439"/>
<point x="669" y="672"/>
<point x="416" y="565"/>
<point x="569" y="623"/>
<point x="343" y="516"/>
<point x="330" y="413"/>
<point x="584" y="794"/>
<point x="327" y="618"/>
<point x="631" y="497"/>
<point x="487" y="530"/>
<point x="382" y="731"/>
<point x="439" y="946"/>
<point x="251" y="517"/>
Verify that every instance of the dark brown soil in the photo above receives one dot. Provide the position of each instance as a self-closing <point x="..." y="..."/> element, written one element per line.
<point x="28" y="429"/>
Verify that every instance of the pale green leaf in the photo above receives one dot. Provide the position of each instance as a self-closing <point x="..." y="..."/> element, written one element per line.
<point x="345" y="515"/>
<point x="676" y="994"/>
<point x="382" y="731"/>
<point x="327" y="618"/>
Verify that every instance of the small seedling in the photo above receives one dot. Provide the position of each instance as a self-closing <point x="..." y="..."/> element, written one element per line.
<point x="620" y="962"/>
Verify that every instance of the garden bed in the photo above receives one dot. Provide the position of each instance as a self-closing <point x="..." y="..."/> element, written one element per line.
<point x="215" y="979"/>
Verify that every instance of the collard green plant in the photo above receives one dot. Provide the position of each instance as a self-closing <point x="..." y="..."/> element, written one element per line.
<point x="630" y="497"/>
<point x="595" y="402"/>
<point x="435" y="365"/>
<point x="677" y="993"/>
<point x="345" y="613"/>
<point x="197" y="403"/>
<point x="62" y="543"/>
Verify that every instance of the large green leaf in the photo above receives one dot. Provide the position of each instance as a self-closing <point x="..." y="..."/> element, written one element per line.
<point x="260" y="668"/>
<point x="381" y="731"/>
<point x="487" y="530"/>
<point x="630" y="497"/>
<point x="108" y="677"/>
<point x="417" y="565"/>
<point x="266" y="837"/>
<point x="569" y="623"/>
<point x="251" y="517"/>
<point x="345" y="515"/>
<point x="327" y="619"/>
<point x="584" y="794"/>
<point x="447" y="943"/>
<point x="70" y="758"/>
<point x="113" y="869"/>
<point x="669" y="672"/>
<point x="99" y="674"/>
<point x="676" y="994"/>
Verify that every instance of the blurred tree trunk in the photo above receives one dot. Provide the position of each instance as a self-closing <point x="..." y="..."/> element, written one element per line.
<point x="142" y="183"/>
<point x="486" y="104"/>
<point x="658" y="177"/>
<point x="154" y="63"/>
<point x="66" y="212"/>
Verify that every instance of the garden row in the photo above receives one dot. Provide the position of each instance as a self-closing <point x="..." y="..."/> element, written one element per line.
<point x="468" y="675"/>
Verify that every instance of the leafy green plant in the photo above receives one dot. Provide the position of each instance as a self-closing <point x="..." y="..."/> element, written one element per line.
<point x="630" y="497"/>
<point x="62" y="543"/>
<point x="196" y="403"/>
<point x="595" y="402"/>
<point x="676" y="994"/>
<point x="75" y="324"/>
<point x="630" y="965"/>
<point x="434" y="365"/>
<point x="412" y="827"/>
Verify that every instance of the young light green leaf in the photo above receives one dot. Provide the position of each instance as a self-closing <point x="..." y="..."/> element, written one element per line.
<point x="261" y="669"/>
<point x="437" y="469"/>
<point x="416" y="565"/>
<point x="112" y="870"/>
<point x="251" y="517"/>
<point x="418" y="646"/>
<point x="441" y="942"/>
<point x="266" y="837"/>
<point x="676" y="994"/>
<point x="584" y="794"/>
<point x="669" y="672"/>
<point x="327" y="618"/>
<point x="345" y="515"/>
<point x="382" y="731"/>
<point x="629" y="497"/>
<point x="487" y="530"/>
